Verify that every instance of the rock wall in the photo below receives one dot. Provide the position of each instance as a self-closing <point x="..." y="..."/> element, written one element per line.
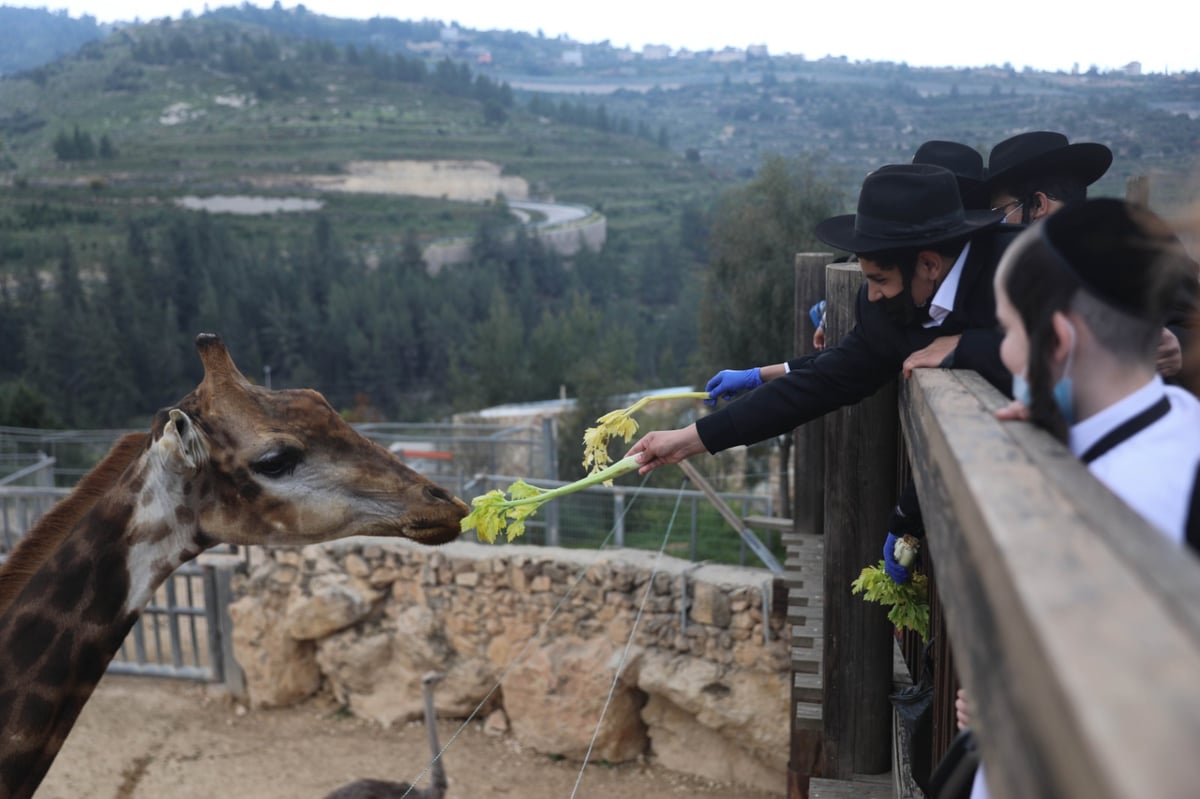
<point x="532" y="638"/>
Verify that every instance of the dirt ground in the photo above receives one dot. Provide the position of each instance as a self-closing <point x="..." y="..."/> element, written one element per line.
<point x="140" y="738"/>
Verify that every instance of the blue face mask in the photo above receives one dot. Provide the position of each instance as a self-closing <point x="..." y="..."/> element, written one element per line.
<point x="1064" y="391"/>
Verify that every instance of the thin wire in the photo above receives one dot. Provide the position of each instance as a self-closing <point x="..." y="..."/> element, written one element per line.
<point x="629" y="642"/>
<point x="537" y="634"/>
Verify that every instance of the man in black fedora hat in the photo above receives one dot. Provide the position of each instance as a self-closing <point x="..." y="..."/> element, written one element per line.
<point x="967" y="165"/>
<point x="928" y="267"/>
<point x="1032" y="175"/>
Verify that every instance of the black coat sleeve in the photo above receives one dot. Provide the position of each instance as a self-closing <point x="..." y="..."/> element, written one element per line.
<point x="856" y="368"/>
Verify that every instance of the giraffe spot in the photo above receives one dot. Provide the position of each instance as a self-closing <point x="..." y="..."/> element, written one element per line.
<point x="91" y="662"/>
<point x="137" y="484"/>
<point x="110" y="589"/>
<point x="42" y="583"/>
<point x="36" y="714"/>
<point x="31" y="636"/>
<point x="146" y="498"/>
<point x="187" y="488"/>
<point x="185" y="515"/>
<point x="66" y="593"/>
<point x="157" y="533"/>
<point x="17" y="769"/>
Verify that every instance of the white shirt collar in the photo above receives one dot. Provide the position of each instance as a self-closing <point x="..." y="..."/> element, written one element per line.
<point x="1086" y="433"/>
<point x="943" y="301"/>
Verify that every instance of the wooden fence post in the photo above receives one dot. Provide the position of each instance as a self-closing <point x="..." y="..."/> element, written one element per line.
<point x="808" y="451"/>
<point x="860" y="463"/>
<point x="808" y="505"/>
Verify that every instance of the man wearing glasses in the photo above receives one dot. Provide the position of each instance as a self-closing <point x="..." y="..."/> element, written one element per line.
<point x="1032" y="175"/>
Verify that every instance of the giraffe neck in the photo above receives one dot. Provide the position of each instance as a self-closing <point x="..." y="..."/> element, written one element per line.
<point x="60" y="632"/>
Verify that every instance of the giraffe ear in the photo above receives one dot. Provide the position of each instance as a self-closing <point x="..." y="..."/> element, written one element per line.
<point x="218" y="366"/>
<point x="187" y="437"/>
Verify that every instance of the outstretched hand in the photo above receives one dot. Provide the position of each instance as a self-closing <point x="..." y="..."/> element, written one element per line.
<point x="666" y="446"/>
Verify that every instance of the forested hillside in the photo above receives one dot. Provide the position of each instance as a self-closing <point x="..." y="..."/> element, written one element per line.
<point x="106" y="279"/>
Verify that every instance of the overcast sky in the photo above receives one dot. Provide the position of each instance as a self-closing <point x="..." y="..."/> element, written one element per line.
<point x="1164" y="35"/>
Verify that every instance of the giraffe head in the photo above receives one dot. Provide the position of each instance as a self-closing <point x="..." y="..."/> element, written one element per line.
<point x="282" y="467"/>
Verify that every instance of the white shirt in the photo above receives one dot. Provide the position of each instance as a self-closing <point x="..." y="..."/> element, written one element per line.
<point x="943" y="300"/>
<point x="1153" y="471"/>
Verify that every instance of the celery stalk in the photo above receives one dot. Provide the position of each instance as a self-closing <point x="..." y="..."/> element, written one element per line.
<point x="494" y="513"/>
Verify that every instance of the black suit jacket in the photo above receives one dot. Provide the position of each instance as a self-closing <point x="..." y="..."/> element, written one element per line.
<point x="870" y="355"/>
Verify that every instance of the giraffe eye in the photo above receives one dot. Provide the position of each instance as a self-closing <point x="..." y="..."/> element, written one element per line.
<point x="278" y="462"/>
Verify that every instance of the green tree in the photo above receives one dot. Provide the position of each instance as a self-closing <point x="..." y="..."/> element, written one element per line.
<point x="747" y="307"/>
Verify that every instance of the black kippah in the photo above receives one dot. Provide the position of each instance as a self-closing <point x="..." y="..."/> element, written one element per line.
<point x="1123" y="254"/>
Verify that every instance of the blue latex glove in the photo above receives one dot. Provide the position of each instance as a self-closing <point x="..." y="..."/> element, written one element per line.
<point x="817" y="313"/>
<point x="727" y="382"/>
<point x="897" y="572"/>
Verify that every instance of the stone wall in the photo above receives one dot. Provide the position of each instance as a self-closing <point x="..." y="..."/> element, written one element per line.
<point x="532" y="637"/>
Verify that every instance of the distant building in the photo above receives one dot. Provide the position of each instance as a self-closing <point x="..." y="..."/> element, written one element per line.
<point x="656" y="52"/>
<point x="730" y="55"/>
<point x="1133" y="68"/>
<point x="573" y="58"/>
<point x="757" y="51"/>
<point x="428" y="48"/>
<point x="685" y="54"/>
<point x="626" y="55"/>
<point x="449" y="34"/>
<point x="484" y="58"/>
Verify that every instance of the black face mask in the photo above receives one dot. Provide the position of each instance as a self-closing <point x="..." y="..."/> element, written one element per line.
<point x="901" y="309"/>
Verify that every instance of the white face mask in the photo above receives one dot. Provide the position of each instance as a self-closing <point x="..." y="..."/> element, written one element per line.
<point x="1008" y="211"/>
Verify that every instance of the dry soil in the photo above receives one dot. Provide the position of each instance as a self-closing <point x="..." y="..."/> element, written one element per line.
<point x="141" y="738"/>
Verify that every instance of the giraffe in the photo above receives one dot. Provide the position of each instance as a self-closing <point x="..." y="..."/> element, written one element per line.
<point x="230" y="463"/>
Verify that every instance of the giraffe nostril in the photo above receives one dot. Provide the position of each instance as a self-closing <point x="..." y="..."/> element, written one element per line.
<point x="438" y="494"/>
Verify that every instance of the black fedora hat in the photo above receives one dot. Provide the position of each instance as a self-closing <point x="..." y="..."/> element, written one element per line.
<point x="902" y="206"/>
<point x="1045" y="152"/>
<point x="964" y="161"/>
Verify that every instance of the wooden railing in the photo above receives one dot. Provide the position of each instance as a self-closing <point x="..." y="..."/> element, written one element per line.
<point x="1075" y="625"/>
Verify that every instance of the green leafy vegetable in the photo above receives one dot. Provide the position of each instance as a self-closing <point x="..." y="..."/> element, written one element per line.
<point x="909" y="602"/>
<point x="495" y="512"/>
<point x="620" y="423"/>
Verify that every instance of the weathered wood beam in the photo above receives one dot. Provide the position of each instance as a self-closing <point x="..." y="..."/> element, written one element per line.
<point x="1075" y="625"/>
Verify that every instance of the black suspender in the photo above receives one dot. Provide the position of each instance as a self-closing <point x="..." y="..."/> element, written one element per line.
<point x="1127" y="430"/>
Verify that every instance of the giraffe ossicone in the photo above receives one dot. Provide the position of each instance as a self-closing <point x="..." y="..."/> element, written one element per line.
<point x="231" y="462"/>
